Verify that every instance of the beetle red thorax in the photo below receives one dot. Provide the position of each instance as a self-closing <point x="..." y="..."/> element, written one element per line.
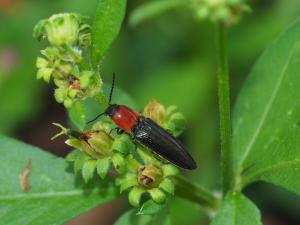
<point x="124" y="117"/>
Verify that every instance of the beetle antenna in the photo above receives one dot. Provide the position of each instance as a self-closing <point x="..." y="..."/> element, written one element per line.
<point x="96" y="118"/>
<point x="112" y="88"/>
<point x="109" y="100"/>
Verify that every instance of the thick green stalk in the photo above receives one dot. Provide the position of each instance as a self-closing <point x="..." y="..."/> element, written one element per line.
<point x="196" y="194"/>
<point x="224" y="106"/>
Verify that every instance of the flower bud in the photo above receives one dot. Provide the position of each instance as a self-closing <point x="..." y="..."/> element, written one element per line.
<point x="169" y="119"/>
<point x="99" y="141"/>
<point x="88" y="169"/>
<point x="103" y="166"/>
<point x="149" y="176"/>
<point x="59" y="29"/>
<point x="155" y="111"/>
<point x="227" y="11"/>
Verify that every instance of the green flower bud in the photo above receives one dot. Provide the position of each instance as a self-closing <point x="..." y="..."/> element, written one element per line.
<point x="227" y="11"/>
<point x="157" y="195"/>
<point x="64" y="69"/>
<point x="167" y="185"/>
<point x="59" y="95"/>
<point x="100" y="141"/>
<point x="129" y="181"/>
<point x="169" y="170"/>
<point x="119" y="162"/>
<point x="41" y="63"/>
<point x="132" y="165"/>
<point x="103" y="166"/>
<point x="135" y="195"/>
<point x="62" y="84"/>
<point x="95" y="143"/>
<point x="59" y="29"/>
<point x="88" y="169"/>
<point x="73" y="155"/>
<point x="85" y="78"/>
<point x="147" y="178"/>
<point x="80" y="161"/>
<point x="52" y="54"/>
<point x="68" y="102"/>
<point x="72" y="93"/>
<point x="123" y="144"/>
<point x="44" y="73"/>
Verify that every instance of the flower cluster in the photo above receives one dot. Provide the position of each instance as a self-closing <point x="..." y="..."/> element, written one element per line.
<point x="136" y="168"/>
<point x="227" y="11"/>
<point x="100" y="149"/>
<point x="69" y="38"/>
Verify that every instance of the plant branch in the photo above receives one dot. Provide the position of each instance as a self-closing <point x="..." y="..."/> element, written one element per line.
<point x="224" y="106"/>
<point x="195" y="193"/>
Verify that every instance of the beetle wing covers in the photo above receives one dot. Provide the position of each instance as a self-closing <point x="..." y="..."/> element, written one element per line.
<point x="150" y="134"/>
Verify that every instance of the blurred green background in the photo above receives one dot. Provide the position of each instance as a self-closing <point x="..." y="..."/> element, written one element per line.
<point x="169" y="58"/>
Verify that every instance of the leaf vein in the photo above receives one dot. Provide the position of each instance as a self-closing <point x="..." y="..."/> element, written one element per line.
<point x="273" y="167"/>
<point x="46" y="194"/>
<point x="269" y="106"/>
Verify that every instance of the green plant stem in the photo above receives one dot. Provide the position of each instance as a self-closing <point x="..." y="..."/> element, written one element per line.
<point x="76" y="57"/>
<point x="224" y="106"/>
<point x="196" y="194"/>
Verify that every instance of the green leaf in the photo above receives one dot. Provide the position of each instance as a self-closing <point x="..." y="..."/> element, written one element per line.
<point x="152" y="9"/>
<point x="185" y="212"/>
<point x="77" y="115"/>
<point x="237" y="210"/>
<point x="266" y="117"/>
<point x="103" y="166"/>
<point x="107" y="24"/>
<point x="130" y="217"/>
<point x="88" y="169"/>
<point x="150" y="208"/>
<point x="54" y="196"/>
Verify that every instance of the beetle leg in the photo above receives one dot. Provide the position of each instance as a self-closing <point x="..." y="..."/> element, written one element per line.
<point x="119" y="131"/>
<point x="116" y="128"/>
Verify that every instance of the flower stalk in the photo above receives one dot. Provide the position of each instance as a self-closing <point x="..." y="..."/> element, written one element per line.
<point x="224" y="105"/>
<point x="196" y="194"/>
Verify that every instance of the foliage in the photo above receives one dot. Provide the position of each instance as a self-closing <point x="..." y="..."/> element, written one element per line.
<point x="103" y="164"/>
<point x="56" y="194"/>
